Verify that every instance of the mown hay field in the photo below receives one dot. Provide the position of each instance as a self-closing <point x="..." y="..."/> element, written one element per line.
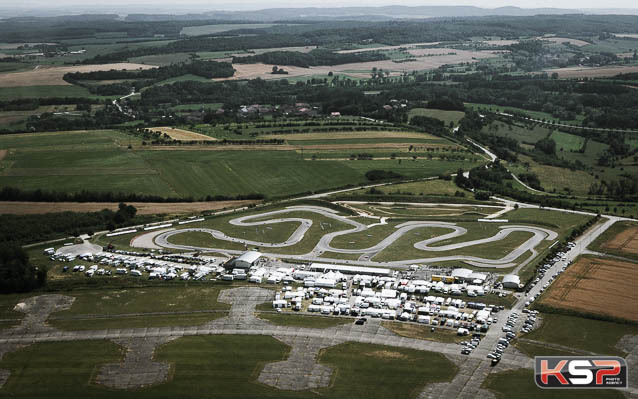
<point x="597" y="286"/>
<point x="625" y="241"/>
<point x="183" y="135"/>
<point x="589" y="72"/>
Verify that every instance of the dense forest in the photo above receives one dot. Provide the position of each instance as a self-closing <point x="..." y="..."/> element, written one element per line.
<point x="314" y="58"/>
<point x="147" y="77"/>
<point x="17" y="274"/>
<point x="391" y="33"/>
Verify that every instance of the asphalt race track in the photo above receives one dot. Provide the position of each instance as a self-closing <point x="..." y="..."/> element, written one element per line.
<point x="324" y="244"/>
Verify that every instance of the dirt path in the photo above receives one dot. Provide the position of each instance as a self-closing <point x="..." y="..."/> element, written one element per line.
<point x="143" y="208"/>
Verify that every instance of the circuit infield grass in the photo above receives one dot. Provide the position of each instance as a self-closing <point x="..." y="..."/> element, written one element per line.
<point x="271" y="233"/>
<point x="402" y="249"/>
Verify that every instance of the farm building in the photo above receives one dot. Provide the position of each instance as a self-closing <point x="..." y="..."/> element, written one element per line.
<point x="511" y="281"/>
<point x="246" y="260"/>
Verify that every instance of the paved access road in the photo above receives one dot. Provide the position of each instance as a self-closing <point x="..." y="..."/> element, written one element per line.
<point x="324" y="244"/>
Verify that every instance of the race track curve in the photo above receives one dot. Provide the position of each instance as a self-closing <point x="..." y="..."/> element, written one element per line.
<point x="324" y="245"/>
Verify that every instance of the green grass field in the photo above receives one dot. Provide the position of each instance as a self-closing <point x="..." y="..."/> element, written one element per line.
<point x="403" y="249"/>
<point x="538" y="349"/>
<point x="212" y="29"/>
<point x="567" y="142"/>
<point x="418" y="331"/>
<point x="520" y="384"/>
<point x="145" y="300"/>
<point x="182" y="78"/>
<point x="148" y="321"/>
<point x="270" y="233"/>
<point x="221" y="367"/>
<point x="299" y="320"/>
<point x="519" y="133"/>
<point x="197" y="107"/>
<point x="449" y="213"/>
<point x="581" y="333"/>
<point x="445" y="116"/>
<point x="12" y="93"/>
<point x="561" y="222"/>
<point x="428" y="187"/>
<point x="553" y="177"/>
<point x="161" y="59"/>
<point x="127" y="307"/>
<point x="100" y="161"/>
<point x="531" y="114"/>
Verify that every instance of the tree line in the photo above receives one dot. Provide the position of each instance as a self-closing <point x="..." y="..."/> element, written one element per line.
<point x="147" y="77"/>
<point x="17" y="274"/>
<point x="317" y="57"/>
<point x="16" y="194"/>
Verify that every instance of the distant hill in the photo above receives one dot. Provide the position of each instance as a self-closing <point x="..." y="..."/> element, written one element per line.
<point x="187" y="12"/>
<point x="373" y="13"/>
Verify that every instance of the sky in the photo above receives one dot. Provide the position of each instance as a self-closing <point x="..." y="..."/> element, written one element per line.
<point x="210" y="5"/>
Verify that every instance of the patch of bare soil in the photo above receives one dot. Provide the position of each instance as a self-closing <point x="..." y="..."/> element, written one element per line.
<point x="387" y="355"/>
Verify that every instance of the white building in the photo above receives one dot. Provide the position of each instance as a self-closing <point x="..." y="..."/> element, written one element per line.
<point x="246" y="260"/>
<point x="511" y="281"/>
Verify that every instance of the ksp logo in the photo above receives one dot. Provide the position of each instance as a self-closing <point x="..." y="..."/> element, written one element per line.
<point x="580" y="372"/>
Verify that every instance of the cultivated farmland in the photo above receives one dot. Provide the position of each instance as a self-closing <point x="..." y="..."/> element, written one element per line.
<point x="591" y="72"/>
<point x="183" y="135"/>
<point x="424" y="60"/>
<point x="101" y="161"/>
<point x="621" y="239"/>
<point x="143" y="208"/>
<point x="626" y="241"/>
<point x="597" y="286"/>
<point x="53" y="76"/>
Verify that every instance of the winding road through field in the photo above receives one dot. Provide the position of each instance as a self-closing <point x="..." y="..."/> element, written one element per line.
<point x="325" y="242"/>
